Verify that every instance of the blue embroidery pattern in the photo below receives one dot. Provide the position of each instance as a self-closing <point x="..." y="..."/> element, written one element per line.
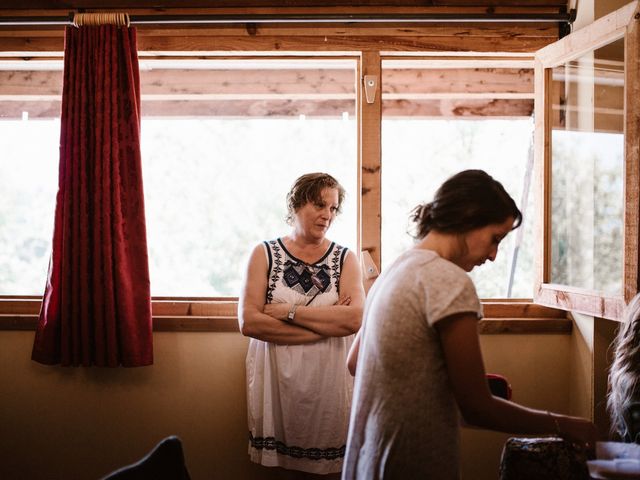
<point x="276" y="269"/>
<point x="309" y="280"/>
<point x="306" y="276"/>
<point x="270" y="443"/>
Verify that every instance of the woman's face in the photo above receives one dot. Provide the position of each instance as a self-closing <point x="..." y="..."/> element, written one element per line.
<point x="314" y="219"/>
<point x="481" y="244"/>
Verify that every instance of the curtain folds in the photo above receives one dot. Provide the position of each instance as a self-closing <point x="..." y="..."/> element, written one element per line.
<point x="96" y="308"/>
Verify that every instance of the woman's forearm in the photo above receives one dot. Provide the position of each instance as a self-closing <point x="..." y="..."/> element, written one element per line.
<point x="505" y="416"/>
<point x="329" y="321"/>
<point x="268" y="329"/>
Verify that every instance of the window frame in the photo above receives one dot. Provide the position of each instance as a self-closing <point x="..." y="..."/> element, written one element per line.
<point x="622" y="23"/>
<point x="371" y="43"/>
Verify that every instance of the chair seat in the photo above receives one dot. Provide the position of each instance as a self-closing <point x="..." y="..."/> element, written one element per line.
<point x="164" y="462"/>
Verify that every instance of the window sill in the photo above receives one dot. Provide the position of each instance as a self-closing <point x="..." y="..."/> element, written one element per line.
<point x="220" y="315"/>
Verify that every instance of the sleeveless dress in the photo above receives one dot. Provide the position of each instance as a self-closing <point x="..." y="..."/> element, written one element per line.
<point x="299" y="396"/>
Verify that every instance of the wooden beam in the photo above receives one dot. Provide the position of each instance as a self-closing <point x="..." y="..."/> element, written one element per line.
<point x="326" y="43"/>
<point x="495" y="108"/>
<point x="455" y="108"/>
<point x="228" y="307"/>
<point x="477" y="37"/>
<point x="602" y="32"/>
<point x="215" y="315"/>
<point x="581" y="301"/>
<point x="450" y="29"/>
<point x="348" y="4"/>
<point x="490" y="326"/>
<point x="225" y="324"/>
<point x="370" y="141"/>
<point x="286" y="92"/>
<point x="406" y="81"/>
<point x="519" y="309"/>
<point x="631" y="267"/>
<point x="317" y="83"/>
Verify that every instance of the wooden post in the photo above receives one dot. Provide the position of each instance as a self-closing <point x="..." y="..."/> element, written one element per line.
<point x="370" y="155"/>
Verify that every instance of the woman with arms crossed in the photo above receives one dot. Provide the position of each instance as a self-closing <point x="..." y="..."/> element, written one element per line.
<point x="301" y="304"/>
<point x="420" y="361"/>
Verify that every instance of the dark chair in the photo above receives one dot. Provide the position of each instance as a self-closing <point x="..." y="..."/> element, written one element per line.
<point x="164" y="462"/>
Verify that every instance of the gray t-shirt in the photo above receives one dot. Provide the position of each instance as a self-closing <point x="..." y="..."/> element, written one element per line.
<point x="404" y="418"/>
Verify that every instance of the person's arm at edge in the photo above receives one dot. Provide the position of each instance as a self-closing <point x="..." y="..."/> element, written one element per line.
<point x="252" y="320"/>
<point x="352" y="357"/>
<point x="461" y="346"/>
<point x="339" y="320"/>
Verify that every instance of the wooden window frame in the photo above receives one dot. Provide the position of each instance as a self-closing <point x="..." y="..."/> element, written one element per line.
<point x="622" y="23"/>
<point x="220" y="315"/>
<point x="370" y="43"/>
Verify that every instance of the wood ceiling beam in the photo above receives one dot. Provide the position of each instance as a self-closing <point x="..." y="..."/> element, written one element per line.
<point x="275" y="6"/>
<point x="445" y="108"/>
<point x="317" y="83"/>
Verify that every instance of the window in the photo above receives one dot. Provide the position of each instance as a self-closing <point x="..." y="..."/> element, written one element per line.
<point x="438" y="118"/>
<point x="215" y="128"/>
<point x="587" y="138"/>
<point x="222" y="143"/>
<point x="587" y="176"/>
<point x="29" y="140"/>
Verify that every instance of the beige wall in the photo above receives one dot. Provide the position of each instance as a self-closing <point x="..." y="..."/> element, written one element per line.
<point x="538" y="368"/>
<point x="80" y="423"/>
<point x="581" y="364"/>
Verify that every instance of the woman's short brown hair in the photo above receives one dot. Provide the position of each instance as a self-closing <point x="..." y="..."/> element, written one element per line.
<point x="308" y="188"/>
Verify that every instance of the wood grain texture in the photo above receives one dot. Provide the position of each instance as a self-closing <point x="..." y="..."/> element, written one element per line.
<point x="370" y="160"/>
<point x="110" y="4"/>
<point x="632" y="158"/>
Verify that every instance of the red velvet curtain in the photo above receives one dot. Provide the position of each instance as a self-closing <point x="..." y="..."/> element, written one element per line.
<point x="96" y="308"/>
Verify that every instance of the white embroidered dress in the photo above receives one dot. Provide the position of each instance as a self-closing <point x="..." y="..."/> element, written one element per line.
<point x="299" y="396"/>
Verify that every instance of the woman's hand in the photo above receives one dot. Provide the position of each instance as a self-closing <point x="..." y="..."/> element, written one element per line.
<point x="344" y="301"/>
<point x="266" y="322"/>
<point x="577" y="430"/>
<point x="279" y="311"/>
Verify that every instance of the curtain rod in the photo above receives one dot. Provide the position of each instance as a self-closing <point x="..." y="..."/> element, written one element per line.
<point x="305" y="18"/>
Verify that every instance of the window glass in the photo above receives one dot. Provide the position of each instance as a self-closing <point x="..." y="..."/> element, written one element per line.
<point x="445" y="123"/>
<point x="587" y="171"/>
<point x="29" y="142"/>
<point x="222" y="143"/>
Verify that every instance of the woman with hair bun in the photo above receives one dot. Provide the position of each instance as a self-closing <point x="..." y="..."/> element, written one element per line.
<point x="418" y="354"/>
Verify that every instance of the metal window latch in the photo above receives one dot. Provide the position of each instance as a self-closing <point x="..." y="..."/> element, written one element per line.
<point x="369" y="269"/>
<point x="370" y="87"/>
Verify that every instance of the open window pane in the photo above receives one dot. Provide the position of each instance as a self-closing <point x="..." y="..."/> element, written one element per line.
<point x="587" y="171"/>
<point x="222" y="142"/>
<point x="453" y="119"/>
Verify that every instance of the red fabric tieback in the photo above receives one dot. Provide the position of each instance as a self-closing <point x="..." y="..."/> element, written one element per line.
<point x="96" y="308"/>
